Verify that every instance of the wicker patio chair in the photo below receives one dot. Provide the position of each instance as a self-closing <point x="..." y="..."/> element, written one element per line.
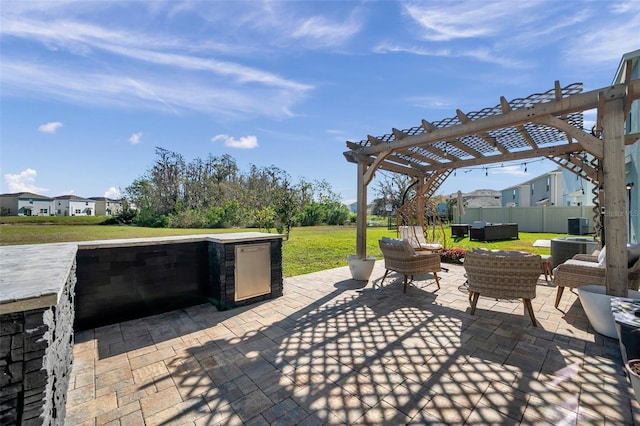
<point x="585" y="269"/>
<point x="400" y="257"/>
<point x="415" y="236"/>
<point x="502" y="275"/>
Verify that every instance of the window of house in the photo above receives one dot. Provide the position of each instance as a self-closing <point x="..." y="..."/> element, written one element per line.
<point x="44" y="211"/>
<point x="78" y="211"/>
<point x="513" y="196"/>
<point x="548" y="183"/>
<point x="59" y="211"/>
<point x="533" y="187"/>
<point x="30" y="201"/>
<point x="86" y="203"/>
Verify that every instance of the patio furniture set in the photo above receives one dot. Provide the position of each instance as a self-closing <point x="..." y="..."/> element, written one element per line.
<point x="500" y="274"/>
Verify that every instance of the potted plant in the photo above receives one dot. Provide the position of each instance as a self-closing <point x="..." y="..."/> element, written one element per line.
<point x="361" y="268"/>
<point x="633" y="369"/>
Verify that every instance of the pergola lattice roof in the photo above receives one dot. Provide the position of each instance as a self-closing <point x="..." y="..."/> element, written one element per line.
<point x="473" y="148"/>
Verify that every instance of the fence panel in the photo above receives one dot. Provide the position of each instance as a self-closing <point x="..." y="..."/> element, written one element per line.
<point x="530" y="219"/>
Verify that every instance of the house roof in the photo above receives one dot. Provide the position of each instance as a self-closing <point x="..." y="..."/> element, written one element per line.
<point x="104" y="199"/>
<point x="26" y="195"/>
<point x="72" y="198"/>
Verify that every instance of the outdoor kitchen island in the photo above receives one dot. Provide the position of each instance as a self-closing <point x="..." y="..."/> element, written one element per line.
<point x="50" y="291"/>
<point x="119" y="280"/>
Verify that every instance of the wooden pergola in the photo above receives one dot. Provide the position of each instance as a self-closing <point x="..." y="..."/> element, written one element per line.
<point x="546" y="125"/>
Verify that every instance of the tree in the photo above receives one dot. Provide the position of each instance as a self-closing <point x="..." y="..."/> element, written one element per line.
<point x="391" y="191"/>
<point x="286" y="206"/>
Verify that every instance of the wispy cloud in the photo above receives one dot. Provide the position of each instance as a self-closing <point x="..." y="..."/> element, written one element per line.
<point x="604" y="44"/>
<point x="23" y="182"/>
<point x="480" y="54"/>
<point x="322" y="31"/>
<point x="432" y="102"/>
<point x="135" y="138"/>
<point x="142" y="72"/>
<point x="443" y="21"/>
<point x="51" y="127"/>
<point x="147" y="91"/>
<point x="508" y="170"/>
<point x="243" y="142"/>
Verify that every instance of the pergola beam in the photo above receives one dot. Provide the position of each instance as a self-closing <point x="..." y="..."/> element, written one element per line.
<point x="569" y="105"/>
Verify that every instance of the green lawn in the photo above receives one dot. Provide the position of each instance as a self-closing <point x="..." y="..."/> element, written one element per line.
<point x="309" y="249"/>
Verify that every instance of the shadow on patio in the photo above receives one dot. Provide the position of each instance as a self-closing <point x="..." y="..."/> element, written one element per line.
<point x="337" y="351"/>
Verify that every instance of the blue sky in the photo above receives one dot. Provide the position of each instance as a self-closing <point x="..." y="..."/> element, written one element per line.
<point x="90" y="88"/>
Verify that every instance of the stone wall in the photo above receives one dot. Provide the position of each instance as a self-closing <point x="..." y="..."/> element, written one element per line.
<point x="36" y="360"/>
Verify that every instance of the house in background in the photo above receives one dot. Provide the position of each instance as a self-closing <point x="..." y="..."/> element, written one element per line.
<point x="72" y="205"/>
<point x="480" y="198"/>
<point x="557" y="188"/>
<point x="107" y="206"/>
<point x="632" y="152"/>
<point x="26" y="204"/>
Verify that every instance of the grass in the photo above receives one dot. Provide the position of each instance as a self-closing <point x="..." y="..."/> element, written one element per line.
<point x="309" y="249"/>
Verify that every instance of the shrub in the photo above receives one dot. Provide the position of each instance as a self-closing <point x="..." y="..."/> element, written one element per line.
<point x="453" y="255"/>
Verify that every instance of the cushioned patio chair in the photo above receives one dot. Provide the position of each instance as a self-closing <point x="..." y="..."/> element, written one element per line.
<point x="415" y="236"/>
<point x="400" y="257"/>
<point x="502" y="275"/>
<point x="585" y="269"/>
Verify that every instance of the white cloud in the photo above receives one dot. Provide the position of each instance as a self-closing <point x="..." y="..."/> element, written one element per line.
<point x="113" y="193"/>
<point x="23" y="182"/>
<point x="51" y="127"/>
<point x="135" y="138"/>
<point x="508" y="170"/>
<point x="244" y="142"/>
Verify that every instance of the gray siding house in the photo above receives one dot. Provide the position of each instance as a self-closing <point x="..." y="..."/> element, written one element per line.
<point x="26" y="204"/>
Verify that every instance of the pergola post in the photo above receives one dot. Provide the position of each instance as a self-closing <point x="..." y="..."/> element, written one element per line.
<point x="361" y="213"/>
<point x="614" y="188"/>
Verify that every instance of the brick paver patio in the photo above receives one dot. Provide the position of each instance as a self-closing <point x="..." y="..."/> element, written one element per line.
<point x="337" y="351"/>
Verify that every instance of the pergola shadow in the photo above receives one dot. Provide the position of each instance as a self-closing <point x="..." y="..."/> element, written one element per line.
<point x="343" y="353"/>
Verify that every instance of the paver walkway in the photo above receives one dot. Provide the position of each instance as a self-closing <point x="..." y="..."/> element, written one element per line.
<point x="337" y="351"/>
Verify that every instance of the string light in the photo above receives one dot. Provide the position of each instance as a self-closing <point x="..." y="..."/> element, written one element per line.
<point x="503" y="165"/>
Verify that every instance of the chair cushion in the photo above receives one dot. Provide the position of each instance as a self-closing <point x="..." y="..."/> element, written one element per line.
<point x="583" y="263"/>
<point x="511" y="253"/>
<point x="633" y="250"/>
<point x="633" y="253"/>
<point x="431" y="246"/>
<point x="602" y="257"/>
<point x="393" y="241"/>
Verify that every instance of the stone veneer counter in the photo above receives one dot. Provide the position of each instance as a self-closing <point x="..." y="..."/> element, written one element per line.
<point x="33" y="276"/>
<point x="36" y="331"/>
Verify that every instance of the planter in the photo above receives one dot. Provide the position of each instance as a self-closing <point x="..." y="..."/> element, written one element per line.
<point x="633" y="369"/>
<point x="597" y="306"/>
<point x="361" y="268"/>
